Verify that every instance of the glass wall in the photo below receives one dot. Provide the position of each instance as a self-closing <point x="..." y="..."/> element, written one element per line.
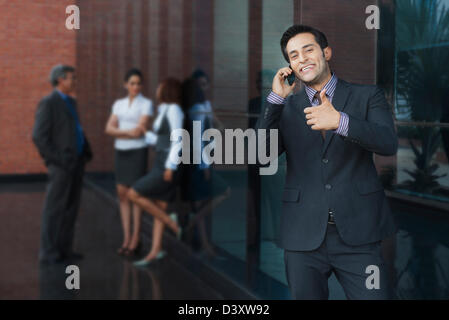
<point x="421" y="100"/>
<point x="412" y="67"/>
<point x="230" y="91"/>
<point x="244" y="226"/>
<point x="238" y="235"/>
<point x="413" y="50"/>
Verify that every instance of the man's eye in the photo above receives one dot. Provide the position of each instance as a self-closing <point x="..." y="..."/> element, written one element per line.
<point x="309" y="50"/>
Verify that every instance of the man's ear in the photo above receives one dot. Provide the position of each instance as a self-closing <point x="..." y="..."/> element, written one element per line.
<point x="327" y="52"/>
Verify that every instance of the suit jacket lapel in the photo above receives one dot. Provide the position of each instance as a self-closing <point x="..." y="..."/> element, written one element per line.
<point x="61" y="103"/>
<point x="302" y="101"/>
<point x="341" y="95"/>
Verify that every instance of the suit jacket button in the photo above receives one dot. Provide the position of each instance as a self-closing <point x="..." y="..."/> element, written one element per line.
<point x="325" y="160"/>
<point x="328" y="186"/>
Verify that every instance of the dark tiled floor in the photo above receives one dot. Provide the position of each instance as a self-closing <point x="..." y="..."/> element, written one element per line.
<point x="103" y="274"/>
<point x="228" y="236"/>
<point x="418" y="255"/>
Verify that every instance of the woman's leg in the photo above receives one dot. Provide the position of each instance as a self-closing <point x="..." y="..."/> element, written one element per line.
<point x="125" y="213"/>
<point x="206" y="207"/>
<point x="137" y="213"/>
<point x="199" y="208"/>
<point x="150" y="206"/>
<point x="158" y="231"/>
<point x="206" y="246"/>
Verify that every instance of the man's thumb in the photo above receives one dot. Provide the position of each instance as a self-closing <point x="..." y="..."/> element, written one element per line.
<point x="323" y="95"/>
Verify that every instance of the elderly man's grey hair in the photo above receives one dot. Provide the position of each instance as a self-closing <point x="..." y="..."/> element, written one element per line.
<point x="59" y="71"/>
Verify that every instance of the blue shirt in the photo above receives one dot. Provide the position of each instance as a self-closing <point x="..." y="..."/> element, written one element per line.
<point x="201" y="112"/>
<point x="78" y="129"/>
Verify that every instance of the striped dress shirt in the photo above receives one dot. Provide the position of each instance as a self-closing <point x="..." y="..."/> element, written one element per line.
<point x="330" y="87"/>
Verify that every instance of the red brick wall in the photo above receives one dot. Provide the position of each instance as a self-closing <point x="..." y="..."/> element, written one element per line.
<point x="33" y="38"/>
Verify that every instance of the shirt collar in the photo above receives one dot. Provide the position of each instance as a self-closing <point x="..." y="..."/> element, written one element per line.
<point x="63" y="95"/>
<point x="329" y="86"/>
<point x="135" y="98"/>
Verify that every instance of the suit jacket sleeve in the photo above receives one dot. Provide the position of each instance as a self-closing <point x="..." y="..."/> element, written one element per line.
<point x="376" y="133"/>
<point x="42" y="134"/>
<point x="88" y="154"/>
<point x="270" y="118"/>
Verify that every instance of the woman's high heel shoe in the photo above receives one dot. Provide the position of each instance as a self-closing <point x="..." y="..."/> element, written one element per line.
<point x="132" y="252"/>
<point x="174" y="217"/>
<point x="145" y="263"/>
<point x="122" y="250"/>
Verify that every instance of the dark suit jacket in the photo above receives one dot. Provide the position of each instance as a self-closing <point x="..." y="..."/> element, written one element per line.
<point x="337" y="174"/>
<point x="54" y="133"/>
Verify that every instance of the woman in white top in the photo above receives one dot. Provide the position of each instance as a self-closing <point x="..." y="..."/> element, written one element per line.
<point x="128" y="123"/>
<point x="155" y="190"/>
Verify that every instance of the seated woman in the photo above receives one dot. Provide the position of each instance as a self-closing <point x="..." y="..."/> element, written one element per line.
<point x="154" y="191"/>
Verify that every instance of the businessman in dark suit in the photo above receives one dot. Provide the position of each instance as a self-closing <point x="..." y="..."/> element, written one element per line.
<point x="334" y="210"/>
<point x="61" y="142"/>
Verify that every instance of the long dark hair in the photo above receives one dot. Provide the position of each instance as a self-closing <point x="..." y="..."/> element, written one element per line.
<point x="191" y="94"/>
<point x="171" y="91"/>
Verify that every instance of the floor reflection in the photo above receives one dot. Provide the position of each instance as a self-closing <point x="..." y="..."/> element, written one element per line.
<point x="139" y="284"/>
<point x="422" y="256"/>
<point x="103" y="273"/>
<point x="52" y="280"/>
<point x="418" y="255"/>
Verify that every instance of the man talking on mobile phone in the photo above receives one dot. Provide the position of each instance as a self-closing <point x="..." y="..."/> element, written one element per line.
<point x="334" y="209"/>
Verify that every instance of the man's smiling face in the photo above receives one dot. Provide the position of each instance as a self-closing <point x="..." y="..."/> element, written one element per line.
<point x="307" y="59"/>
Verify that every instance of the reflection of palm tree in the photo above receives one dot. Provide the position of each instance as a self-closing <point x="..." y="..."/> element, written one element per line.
<point x="422" y="78"/>
<point x="445" y="119"/>
<point x="424" y="177"/>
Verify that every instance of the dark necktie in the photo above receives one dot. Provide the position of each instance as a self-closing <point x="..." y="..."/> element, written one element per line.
<point x="317" y="96"/>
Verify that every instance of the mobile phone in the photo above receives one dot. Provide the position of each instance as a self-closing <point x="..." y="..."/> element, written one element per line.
<point x="291" y="77"/>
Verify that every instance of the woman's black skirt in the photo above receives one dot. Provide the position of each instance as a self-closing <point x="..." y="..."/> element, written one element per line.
<point x="130" y="165"/>
<point x="153" y="185"/>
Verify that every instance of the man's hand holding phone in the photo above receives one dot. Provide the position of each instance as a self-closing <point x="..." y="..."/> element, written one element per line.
<point x="280" y="86"/>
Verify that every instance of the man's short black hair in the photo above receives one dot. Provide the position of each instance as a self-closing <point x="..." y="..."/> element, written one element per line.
<point x="59" y="71"/>
<point x="133" y="72"/>
<point x="320" y="38"/>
